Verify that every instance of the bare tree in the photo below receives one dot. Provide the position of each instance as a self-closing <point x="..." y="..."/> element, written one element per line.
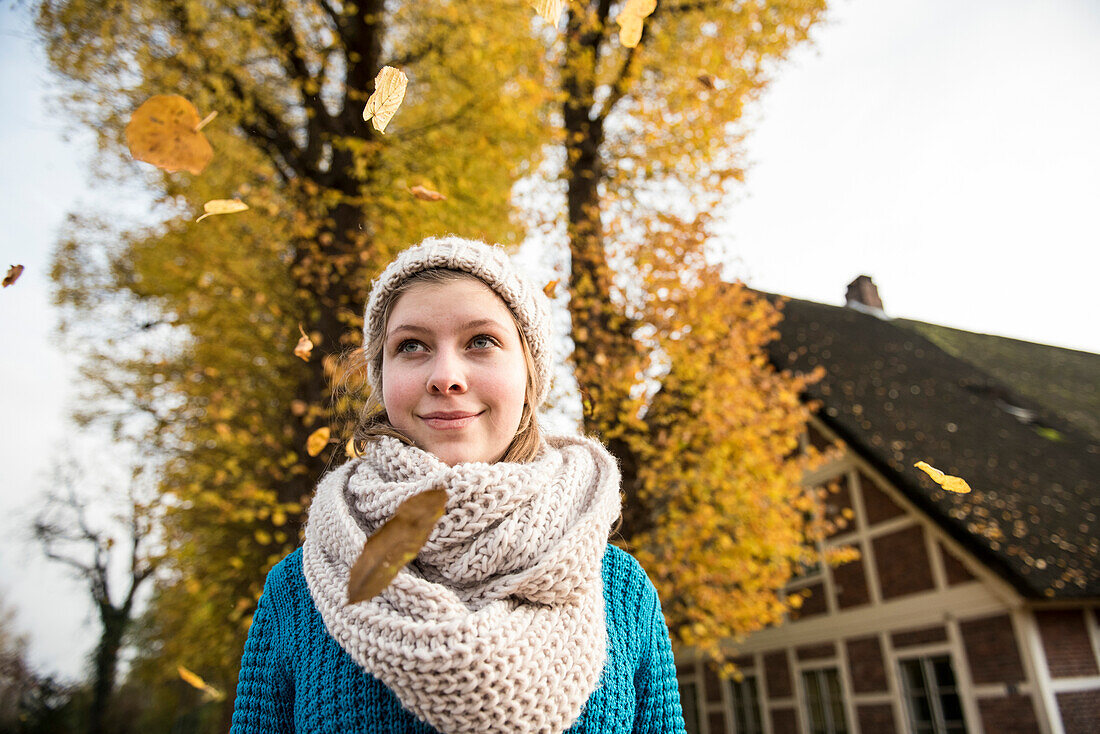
<point x="113" y="556"/>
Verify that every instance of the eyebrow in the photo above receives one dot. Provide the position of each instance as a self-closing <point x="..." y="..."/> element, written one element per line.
<point x="469" y="325"/>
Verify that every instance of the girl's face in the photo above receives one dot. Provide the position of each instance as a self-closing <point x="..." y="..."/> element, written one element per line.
<point x="453" y="373"/>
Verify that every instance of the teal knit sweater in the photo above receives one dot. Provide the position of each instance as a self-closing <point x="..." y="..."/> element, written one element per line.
<point x="296" y="678"/>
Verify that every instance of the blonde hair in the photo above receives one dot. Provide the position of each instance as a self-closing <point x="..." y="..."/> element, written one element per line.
<point x="374" y="423"/>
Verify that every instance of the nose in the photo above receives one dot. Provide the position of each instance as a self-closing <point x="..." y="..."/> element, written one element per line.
<point x="447" y="376"/>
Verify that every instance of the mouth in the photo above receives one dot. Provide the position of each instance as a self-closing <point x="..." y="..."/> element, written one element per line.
<point x="449" y="420"/>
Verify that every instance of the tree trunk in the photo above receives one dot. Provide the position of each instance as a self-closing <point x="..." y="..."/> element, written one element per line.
<point x="105" y="664"/>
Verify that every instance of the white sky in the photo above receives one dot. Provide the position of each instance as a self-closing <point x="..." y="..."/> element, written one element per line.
<point x="949" y="150"/>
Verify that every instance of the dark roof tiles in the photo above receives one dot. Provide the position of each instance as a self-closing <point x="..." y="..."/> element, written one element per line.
<point x="898" y="398"/>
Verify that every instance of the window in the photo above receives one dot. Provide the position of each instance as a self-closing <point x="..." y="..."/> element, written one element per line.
<point x="746" y="706"/>
<point x="931" y="696"/>
<point x="824" y="702"/>
<point x="689" y="700"/>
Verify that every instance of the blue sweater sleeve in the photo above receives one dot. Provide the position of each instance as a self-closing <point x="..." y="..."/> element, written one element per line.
<point x="265" y="697"/>
<point x="658" y="694"/>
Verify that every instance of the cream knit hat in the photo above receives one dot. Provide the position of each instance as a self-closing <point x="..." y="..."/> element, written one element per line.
<point x="488" y="263"/>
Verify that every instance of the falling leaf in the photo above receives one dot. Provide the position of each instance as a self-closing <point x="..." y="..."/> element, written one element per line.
<point x="630" y="21"/>
<point x="948" y="482"/>
<point x="197" y="682"/>
<point x="389" y="92"/>
<point x="395" y="544"/>
<point x="317" y="441"/>
<point x="550" y="287"/>
<point x="426" y="194"/>
<point x="165" y="131"/>
<point x="549" y="10"/>
<point x="13" y="274"/>
<point x="350" y="450"/>
<point x="630" y="30"/>
<point x="222" y="206"/>
<point x="305" y="346"/>
<point x="707" y="80"/>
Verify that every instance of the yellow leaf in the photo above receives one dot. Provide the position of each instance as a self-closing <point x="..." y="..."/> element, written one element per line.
<point x="13" y="274"/>
<point x="389" y="92"/>
<point x="191" y="678"/>
<point x="209" y="691"/>
<point x="424" y="193"/>
<point x="630" y="29"/>
<point x="394" y="544"/>
<point x="630" y="21"/>
<point x="305" y="346"/>
<point x="317" y="441"/>
<point x="549" y="10"/>
<point x="222" y="206"/>
<point x="948" y="482"/>
<point x="350" y="450"/>
<point x="165" y="131"/>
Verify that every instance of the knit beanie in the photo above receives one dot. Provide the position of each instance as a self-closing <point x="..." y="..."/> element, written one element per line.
<point x="488" y="263"/>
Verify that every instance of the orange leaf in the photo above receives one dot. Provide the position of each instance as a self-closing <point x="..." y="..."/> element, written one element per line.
<point x="395" y="544"/>
<point x="305" y="346"/>
<point x="550" y="287"/>
<point x="948" y="482"/>
<point x="165" y="131"/>
<point x="317" y="441"/>
<point x="426" y="194"/>
<point x="13" y="274"/>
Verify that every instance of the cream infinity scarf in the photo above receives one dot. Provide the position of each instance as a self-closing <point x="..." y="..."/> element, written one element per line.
<point x="499" y="623"/>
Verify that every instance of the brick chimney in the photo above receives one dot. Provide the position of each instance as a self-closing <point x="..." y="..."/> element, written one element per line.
<point x="863" y="296"/>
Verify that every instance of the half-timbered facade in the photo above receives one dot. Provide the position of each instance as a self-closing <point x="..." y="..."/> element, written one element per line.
<point x="964" y="613"/>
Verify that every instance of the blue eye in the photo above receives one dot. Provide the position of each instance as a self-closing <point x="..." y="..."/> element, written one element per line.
<point x="482" y="341"/>
<point x="409" y="345"/>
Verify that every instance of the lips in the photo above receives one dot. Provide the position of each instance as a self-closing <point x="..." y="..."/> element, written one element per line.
<point x="449" y="419"/>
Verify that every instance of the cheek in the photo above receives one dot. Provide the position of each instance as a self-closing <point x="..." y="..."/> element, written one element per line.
<point x="396" y="389"/>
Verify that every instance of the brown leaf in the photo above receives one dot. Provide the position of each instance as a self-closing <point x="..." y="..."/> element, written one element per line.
<point x="317" y="441"/>
<point x="14" y="272"/>
<point x="222" y="206"/>
<point x="426" y="194"/>
<point x="948" y="482"/>
<point x="707" y="80"/>
<point x="305" y="346"/>
<point x="395" y="544"/>
<point x="389" y="92"/>
<point x="550" y="287"/>
<point x="165" y="131"/>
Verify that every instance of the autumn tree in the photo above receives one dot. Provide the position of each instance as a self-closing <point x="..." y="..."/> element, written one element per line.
<point x="669" y="357"/>
<point x="190" y="327"/>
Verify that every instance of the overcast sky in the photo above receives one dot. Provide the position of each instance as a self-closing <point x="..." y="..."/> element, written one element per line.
<point x="949" y="150"/>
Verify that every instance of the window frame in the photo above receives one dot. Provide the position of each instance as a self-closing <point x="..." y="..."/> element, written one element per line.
<point x="934" y="692"/>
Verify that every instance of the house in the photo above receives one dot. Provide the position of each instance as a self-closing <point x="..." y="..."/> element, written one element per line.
<point x="973" y="612"/>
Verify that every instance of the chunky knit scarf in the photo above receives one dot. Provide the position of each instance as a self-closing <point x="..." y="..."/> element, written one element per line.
<point x="498" y="625"/>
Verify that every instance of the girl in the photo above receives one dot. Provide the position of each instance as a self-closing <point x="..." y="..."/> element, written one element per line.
<point x="517" y="615"/>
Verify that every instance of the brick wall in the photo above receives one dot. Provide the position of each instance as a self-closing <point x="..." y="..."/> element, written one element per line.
<point x="1066" y="643"/>
<point x="876" y="718"/>
<point x="921" y="636"/>
<point x="850" y="583"/>
<point x="813" y="605"/>
<point x="866" y="665"/>
<point x="877" y="505"/>
<point x="777" y="675"/>
<point x="1080" y="711"/>
<point x="1008" y="715"/>
<point x="955" y="571"/>
<point x="901" y="559"/>
<point x="784" y="721"/>
<point x="991" y="650"/>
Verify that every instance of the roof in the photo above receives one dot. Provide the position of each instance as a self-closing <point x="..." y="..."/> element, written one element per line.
<point x="1003" y="419"/>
